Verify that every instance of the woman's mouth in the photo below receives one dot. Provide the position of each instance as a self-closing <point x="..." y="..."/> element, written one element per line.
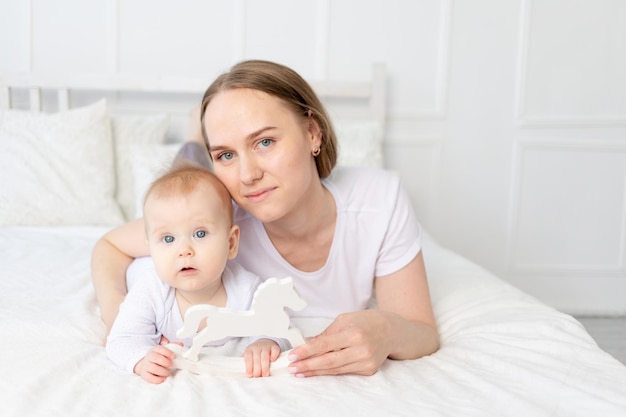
<point x="259" y="195"/>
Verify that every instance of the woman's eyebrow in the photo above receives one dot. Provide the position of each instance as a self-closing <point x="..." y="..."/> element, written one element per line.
<point x="250" y="136"/>
<point x="259" y="132"/>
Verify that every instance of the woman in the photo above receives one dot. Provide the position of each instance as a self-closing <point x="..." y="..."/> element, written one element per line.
<point x="345" y="235"/>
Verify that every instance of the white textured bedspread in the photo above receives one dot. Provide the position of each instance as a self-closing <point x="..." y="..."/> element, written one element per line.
<point x="502" y="353"/>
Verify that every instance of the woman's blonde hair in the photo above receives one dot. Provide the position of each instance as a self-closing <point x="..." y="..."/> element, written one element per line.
<point x="287" y="85"/>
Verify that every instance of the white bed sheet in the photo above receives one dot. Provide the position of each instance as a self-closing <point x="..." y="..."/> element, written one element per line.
<point x="503" y="353"/>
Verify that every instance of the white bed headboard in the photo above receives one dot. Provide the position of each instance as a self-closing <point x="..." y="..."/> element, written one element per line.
<point x="149" y="117"/>
<point x="346" y="100"/>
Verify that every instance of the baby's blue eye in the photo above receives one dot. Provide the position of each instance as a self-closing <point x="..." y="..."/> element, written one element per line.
<point x="168" y="239"/>
<point x="200" y="234"/>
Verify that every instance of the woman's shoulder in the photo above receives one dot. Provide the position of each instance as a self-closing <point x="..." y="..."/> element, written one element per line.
<point x="349" y="176"/>
<point x="361" y="183"/>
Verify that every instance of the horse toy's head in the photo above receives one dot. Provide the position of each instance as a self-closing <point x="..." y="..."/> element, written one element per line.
<point x="275" y="291"/>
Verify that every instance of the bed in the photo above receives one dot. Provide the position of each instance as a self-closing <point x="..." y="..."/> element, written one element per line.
<point x="67" y="177"/>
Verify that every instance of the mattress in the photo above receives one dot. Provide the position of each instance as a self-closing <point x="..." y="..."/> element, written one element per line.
<point x="503" y="353"/>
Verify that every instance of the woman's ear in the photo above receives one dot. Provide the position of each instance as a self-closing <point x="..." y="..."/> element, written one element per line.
<point x="314" y="131"/>
<point x="233" y="241"/>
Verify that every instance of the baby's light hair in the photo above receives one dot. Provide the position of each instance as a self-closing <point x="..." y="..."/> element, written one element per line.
<point x="183" y="180"/>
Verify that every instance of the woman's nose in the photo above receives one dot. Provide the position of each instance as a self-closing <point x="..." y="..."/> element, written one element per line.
<point x="250" y="170"/>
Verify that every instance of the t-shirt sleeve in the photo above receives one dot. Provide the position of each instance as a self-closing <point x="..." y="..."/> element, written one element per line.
<point x="402" y="238"/>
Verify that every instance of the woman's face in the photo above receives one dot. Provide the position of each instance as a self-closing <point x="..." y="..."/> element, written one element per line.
<point x="261" y="151"/>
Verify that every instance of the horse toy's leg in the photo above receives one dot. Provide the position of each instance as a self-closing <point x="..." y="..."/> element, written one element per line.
<point x="193" y="316"/>
<point x="198" y="341"/>
<point x="294" y="335"/>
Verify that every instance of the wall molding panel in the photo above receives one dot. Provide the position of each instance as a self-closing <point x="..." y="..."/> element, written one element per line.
<point x="239" y="29"/>
<point x="442" y="65"/>
<point x="113" y="36"/>
<point x="420" y="155"/>
<point x="322" y="38"/>
<point x="525" y="117"/>
<point x="602" y="150"/>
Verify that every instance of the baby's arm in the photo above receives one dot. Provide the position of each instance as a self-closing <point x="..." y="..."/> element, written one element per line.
<point x="258" y="356"/>
<point x="134" y="336"/>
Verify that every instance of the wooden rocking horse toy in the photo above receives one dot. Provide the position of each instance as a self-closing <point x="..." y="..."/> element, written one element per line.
<point x="266" y="317"/>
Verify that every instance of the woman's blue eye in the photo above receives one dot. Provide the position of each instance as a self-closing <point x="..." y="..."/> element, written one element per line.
<point x="168" y="239"/>
<point x="265" y="142"/>
<point x="225" y="156"/>
<point x="200" y="234"/>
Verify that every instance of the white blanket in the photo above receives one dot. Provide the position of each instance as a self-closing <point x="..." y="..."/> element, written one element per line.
<point x="503" y="353"/>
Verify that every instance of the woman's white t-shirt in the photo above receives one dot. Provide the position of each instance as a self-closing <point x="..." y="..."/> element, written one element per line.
<point x="376" y="234"/>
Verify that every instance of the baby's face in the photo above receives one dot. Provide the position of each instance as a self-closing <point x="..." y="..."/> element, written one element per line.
<point x="190" y="238"/>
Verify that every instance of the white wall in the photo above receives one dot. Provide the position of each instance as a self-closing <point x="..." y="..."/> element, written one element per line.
<point x="507" y="118"/>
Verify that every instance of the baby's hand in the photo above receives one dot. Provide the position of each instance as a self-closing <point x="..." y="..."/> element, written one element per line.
<point x="259" y="355"/>
<point x="155" y="366"/>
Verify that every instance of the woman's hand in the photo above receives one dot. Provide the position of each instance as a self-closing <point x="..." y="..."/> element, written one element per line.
<point x="355" y="343"/>
<point x="403" y="327"/>
<point x="259" y="355"/>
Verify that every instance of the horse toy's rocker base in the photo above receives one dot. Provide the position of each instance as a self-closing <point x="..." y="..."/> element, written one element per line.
<point x="267" y="318"/>
<point x="222" y="365"/>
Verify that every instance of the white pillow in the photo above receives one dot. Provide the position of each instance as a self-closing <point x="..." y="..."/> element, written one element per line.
<point x="129" y="131"/>
<point x="57" y="169"/>
<point x="149" y="162"/>
<point x="360" y="144"/>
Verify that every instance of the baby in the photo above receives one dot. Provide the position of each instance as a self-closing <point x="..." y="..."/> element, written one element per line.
<point x="188" y="217"/>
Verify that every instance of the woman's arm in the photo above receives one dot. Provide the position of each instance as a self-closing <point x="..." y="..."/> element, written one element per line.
<point x="109" y="260"/>
<point x="402" y="327"/>
<point x="405" y="296"/>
